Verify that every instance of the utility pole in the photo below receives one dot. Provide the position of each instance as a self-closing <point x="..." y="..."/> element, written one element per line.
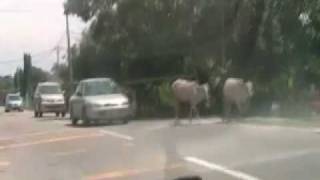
<point x="26" y="93"/>
<point x="58" y="55"/>
<point x="223" y="44"/>
<point x="69" y="51"/>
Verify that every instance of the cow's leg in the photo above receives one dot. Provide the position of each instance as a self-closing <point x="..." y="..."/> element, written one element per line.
<point x="197" y="115"/>
<point x="177" y="111"/>
<point x="241" y="109"/>
<point x="191" y="113"/>
<point x="196" y="112"/>
<point x="246" y="107"/>
<point x="226" y="109"/>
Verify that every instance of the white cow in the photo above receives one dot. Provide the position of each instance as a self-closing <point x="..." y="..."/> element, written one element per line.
<point x="237" y="92"/>
<point x="189" y="92"/>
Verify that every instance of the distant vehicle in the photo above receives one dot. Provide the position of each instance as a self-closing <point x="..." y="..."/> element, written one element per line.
<point x="49" y="98"/>
<point x="13" y="102"/>
<point x="99" y="99"/>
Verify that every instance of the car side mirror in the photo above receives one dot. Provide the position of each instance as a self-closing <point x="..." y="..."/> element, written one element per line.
<point x="189" y="178"/>
<point x="79" y="94"/>
<point x="123" y="90"/>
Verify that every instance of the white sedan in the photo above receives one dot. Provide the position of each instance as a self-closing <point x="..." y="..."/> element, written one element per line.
<point x="13" y="102"/>
<point x="99" y="99"/>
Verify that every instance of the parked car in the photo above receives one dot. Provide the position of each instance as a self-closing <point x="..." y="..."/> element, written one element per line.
<point x="99" y="99"/>
<point x="49" y="98"/>
<point x="13" y="102"/>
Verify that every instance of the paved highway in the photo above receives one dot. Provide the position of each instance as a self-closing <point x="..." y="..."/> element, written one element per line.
<point x="52" y="149"/>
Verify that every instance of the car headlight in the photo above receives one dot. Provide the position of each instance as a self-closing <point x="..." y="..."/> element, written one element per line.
<point x="94" y="105"/>
<point x="45" y="100"/>
<point x="60" y="100"/>
<point x="125" y="103"/>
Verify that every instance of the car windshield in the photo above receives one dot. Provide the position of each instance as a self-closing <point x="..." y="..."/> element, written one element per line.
<point x="50" y="89"/>
<point x="14" y="98"/>
<point x="96" y="88"/>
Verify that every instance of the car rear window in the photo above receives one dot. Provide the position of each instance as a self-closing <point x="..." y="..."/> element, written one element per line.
<point x="14" y="98"/>
<point x="50" y="89"/>
<point x="100" y="88"/>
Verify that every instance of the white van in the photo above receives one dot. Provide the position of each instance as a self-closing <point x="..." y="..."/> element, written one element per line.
<point x="49" y="98"/>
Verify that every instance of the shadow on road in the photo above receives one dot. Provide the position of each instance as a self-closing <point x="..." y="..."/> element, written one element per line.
<point x="94" y="125"/>
<point x="52" y="118"/>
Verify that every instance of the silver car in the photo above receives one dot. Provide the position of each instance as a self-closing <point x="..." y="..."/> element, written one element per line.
<point x="13" y="102"/>
<point x="99" y="99"/>
<point x="49" y="98"/>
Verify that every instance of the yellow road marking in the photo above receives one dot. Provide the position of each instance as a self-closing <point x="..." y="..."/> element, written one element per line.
<point x="52" y="140"/>
<point x="34" y="134"/>
<point x="4" y="163"/>
<point x="59" y="154"/>
<point x="130" y="172"/>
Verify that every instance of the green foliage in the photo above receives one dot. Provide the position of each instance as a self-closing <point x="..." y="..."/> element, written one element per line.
<point x="274" y="43"/>
<point x="61" y="72"/>
<point x="37" y="75"/>
<point x="6" y="84"/>
<point x="166" y="95"/>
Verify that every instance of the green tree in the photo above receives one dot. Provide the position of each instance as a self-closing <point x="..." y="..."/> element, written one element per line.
<point x="275" y="43"/>
<point x="37" y="75"/>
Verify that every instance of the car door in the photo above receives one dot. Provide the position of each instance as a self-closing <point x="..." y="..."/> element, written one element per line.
<point x="77" y="101"/>
<point x="7" y="102"/>
<point x="36" y="99"/>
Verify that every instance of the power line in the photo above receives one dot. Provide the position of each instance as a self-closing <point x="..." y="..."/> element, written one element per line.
<point x="48" y="51"/>
<point x="62" y="37"/>
<point x="40" y="53"/>
<point x="76" y="33"/>
<point x="35" y="60"/>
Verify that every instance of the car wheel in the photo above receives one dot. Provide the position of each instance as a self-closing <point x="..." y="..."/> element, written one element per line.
<point x="74" y="121"/>
<point x="125" y="121"/>
<point x="84" y="118"/>
<point x="73" y="118"/>
<point x="7" y="110"/>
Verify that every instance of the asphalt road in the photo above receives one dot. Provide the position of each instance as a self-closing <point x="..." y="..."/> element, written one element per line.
<point x="52" y="149"/>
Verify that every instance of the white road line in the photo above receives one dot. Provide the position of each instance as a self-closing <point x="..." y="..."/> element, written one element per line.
<point x="117" y="135"/>
<point x="316" y="130"/>
<point x="279" y="127"/>
<point x="219" y="168"/>
<point x="278" y="157"/>
<point x="158" y="127"/>
<point x="80" y="151"/>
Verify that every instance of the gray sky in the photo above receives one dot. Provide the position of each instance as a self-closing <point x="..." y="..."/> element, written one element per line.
<point x="34" y="26"/>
